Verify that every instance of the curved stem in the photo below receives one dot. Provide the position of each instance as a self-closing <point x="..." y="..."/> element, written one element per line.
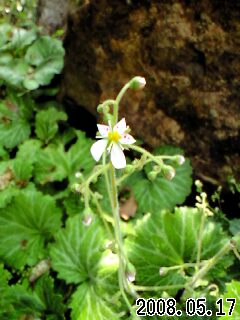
<point x="117" y="101"/>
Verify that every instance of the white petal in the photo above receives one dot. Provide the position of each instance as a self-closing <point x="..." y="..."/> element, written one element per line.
<point x="98" y="148"/>
<point x="127" y="139"/>
<point x="120" y="126"/>
<point x="103" y="130"/>
<point x="117" y="157"/>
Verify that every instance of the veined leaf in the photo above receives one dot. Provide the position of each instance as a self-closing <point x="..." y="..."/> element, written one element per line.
<point x="46" y="123"/>
<point x="171" y="239"/>
<point x="46" y="55"/>
<point x="21" y="301"/>
<point x="79" y="257"/>
<point x="25" y="226"/>
<point x="14" y="120"/>
<point x="77" y="251"/>
<point x="88" y="304"/>
<point x="233" y="292"/>
<point x="153" y="196"/>
<point x="55" y="164"/>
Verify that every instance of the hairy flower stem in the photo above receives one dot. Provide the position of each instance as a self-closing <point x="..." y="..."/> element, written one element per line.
<point x="211" y="263"/>
<point x="200" y="237"/>
<point x="148" y="154"/>
<point x="118" y="236"/>
<point x="117" y="101"/>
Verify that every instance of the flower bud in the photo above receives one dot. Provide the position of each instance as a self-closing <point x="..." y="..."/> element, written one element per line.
<point x="168" y="172"/>
<point x="162" y="271"/>
<point x="137" y="83"/>
<point x="129" y="168"/>
<point x="180" y="159"/>
<point x="87" y="217"/>
<point x="152" y="175"/>
<point x="78" y="175"/>
<point x="130" y="272"/>
<point x="100" y="108"/>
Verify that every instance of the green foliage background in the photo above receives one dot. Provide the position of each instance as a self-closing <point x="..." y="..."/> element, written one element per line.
<point x="41" y="216"/>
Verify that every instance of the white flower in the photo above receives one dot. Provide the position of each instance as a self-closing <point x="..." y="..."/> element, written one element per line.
<point x="114" y="140"/>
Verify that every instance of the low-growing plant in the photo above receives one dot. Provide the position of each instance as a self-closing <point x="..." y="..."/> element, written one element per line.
<point x="84" y="240"/>
<point x="87" y="239"/>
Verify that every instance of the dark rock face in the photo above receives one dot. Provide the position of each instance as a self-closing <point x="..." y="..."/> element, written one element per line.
<point x="187" y="50"/>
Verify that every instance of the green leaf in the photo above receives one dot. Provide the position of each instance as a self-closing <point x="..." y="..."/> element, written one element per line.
<point x="168" y="239"/>
<point x="79" y="156"/>
<point x="26" y="225"/>
<point x="52" y="301"/>
<point x="76" y="253"/>
<point x="46" y="123"/>
<point x="88" y="304"/>
<point x="51" y="164"/>
<point x="13" y="73"/>
<point x="79" y="257"/>
<point x="233" y="291"/>
<point x="234" y="226"/>
<point x="15" y="113"/>
<point x="55" y="164"/>
<point x="153" y="196"/>
<point x="46" y="55"/>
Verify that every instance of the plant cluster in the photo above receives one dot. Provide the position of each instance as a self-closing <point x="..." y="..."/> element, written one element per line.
<point x="82" y="240"/>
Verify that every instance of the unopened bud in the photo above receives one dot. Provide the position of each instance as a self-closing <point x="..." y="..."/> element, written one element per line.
<point x="162" y="271"/>
<point x="100" y="108"/>
<point x="180" y="159"/>
<point x="87" y="220"/>
<point x="131" y="272"/>
<point x="87" y="217"/>
<point x="78" y="175"/>
<point x="137" y="83"/>
<point x="152" y="175"/>
<point x="168" y="172"/>
<point x="129" y="168"/>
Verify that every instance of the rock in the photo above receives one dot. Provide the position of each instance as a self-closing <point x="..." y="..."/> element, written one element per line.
<point x="188" y="52"/>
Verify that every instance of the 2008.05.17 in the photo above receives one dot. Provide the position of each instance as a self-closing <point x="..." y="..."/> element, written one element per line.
<point x="168" y="307"/>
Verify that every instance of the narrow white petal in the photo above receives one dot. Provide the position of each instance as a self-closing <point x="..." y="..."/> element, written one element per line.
<point x="98" y="148"/>
<point x="120" y="126"/>
<point x="117" y="157"/>
<point x="103" y="130"/>
<point x="127" y="139"/>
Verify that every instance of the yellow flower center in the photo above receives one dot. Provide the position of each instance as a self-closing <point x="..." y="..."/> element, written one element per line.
<point x="114" y="136"/>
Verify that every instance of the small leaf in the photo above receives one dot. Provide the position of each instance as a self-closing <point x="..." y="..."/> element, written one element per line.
<point x="88" y="304"/>
<point x="55" y="164"/>
<point x="46" y="54"/>
<point x="14" y="120"/>
<point x="233" y="292"/>
<point x="153" y="196"/>
<point x="25" y="226"/>
<point x="46" y="123"/>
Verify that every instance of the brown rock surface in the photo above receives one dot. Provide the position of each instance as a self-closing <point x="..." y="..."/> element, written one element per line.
<point x="188" y="51"/>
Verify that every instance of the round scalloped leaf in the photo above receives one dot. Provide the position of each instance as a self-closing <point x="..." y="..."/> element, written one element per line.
<point x="170" y="239"/>
<point x="15" y="113"/>
<point x="46" y="55"/>
<point x="55" y="164"/>
<point x="88" y="304"/>
<point x="233" y="292"/>
<point x="77" y="251"/>
<point x="26" y="225"/>
<point x="47" y="123"/>
<point x="153" y="196"/>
